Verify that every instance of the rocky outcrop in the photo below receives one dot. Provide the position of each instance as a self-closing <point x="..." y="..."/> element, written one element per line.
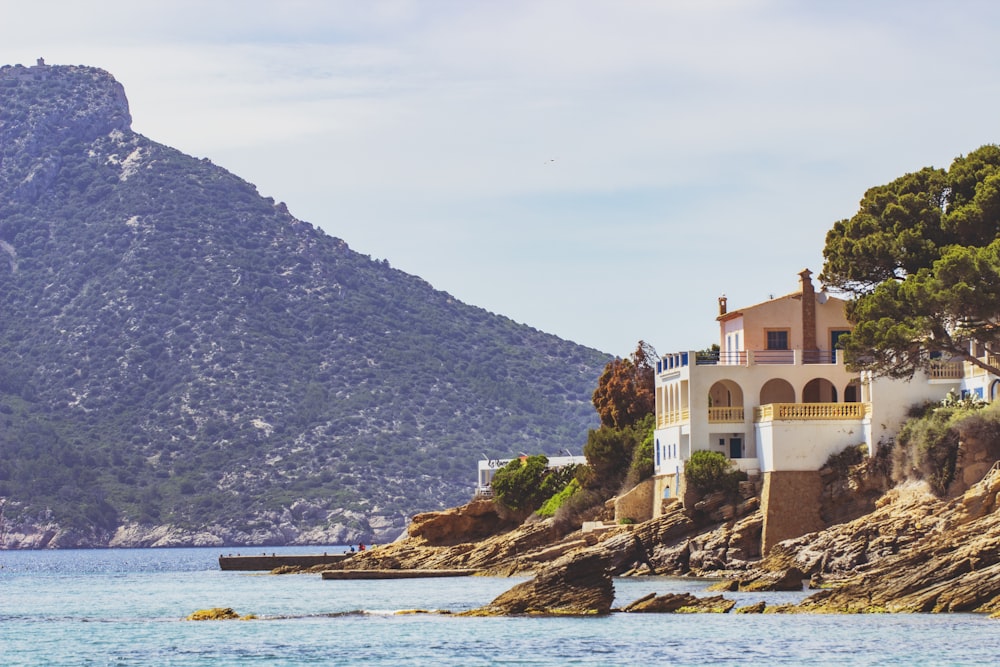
<point x="473" y="521"/>
<point x="575" y="585"/>
<point x="700" y="548"/>
<point x="627" y="549"/>
<point x="679" y="603"/>
<point x="790" y="579"/>
<point x="977" y="452"/>
<point x="217" y="614"/>
<point x="914" y="553"/>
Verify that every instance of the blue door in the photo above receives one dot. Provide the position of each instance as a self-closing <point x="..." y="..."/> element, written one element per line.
<point x="736" y="448"/>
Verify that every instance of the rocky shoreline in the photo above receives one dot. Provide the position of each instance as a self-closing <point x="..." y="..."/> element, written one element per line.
<point x="914" y="553"/>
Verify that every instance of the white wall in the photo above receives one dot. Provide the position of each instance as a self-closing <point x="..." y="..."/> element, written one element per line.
<point x="892" y="399"/>
<point x="804" y="445"/>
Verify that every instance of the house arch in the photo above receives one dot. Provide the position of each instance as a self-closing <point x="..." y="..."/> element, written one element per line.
<point x="777" y="390"/>
<point x="725" y="394"/>
<point x="994" y="390"/>
<point x="852" y="392"/>
<point x="819" y="390"/>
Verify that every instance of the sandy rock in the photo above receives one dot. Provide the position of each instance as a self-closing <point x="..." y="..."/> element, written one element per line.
<point x="578" y="584"/>
<point x="470" y="522"/>
<point x="217" y="614"/>
<point x="782" y="580"/>
<point x="679" y="603"/>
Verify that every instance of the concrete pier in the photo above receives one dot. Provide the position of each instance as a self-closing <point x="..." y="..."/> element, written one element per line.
<point x="268" y="562"/>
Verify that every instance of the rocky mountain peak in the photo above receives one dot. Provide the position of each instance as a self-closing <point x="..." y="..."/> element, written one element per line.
<point x="180" y="356"/>
<point x="43" y="106"/>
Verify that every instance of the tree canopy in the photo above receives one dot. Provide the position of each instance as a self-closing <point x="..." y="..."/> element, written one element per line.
<point x="921" y="258"/>
<point x="625" y="392"/>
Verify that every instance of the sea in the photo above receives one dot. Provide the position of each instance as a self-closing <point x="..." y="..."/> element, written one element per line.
<point x="127" y="607"/>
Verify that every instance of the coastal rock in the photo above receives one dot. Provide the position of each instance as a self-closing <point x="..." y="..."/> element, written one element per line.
<point x="789" y="579"/>
<point x="575" y="585"/>
<point x="679" y="603"/>
<point x="914" y="553"/>
<point x="217" y="614"/>
<point x="134" y="535"/>
<point x="757" y="608"/>
<point x="705" y="548"/>
<point x="473" y="521"/>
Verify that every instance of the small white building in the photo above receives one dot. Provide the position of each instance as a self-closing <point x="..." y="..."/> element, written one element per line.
<point x="489" y="467"/>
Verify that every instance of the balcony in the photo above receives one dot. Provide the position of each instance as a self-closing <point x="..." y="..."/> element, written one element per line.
<point x="811" y="411"/>
<point x="677" y="360"/>
<point x="726" y="415"/>
<point x="946" y="370"/>
<point x="673" y="417"/>
<point x="772" y="412"/>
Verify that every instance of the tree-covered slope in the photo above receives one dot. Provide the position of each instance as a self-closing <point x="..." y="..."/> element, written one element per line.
<point x="176" y="350"/>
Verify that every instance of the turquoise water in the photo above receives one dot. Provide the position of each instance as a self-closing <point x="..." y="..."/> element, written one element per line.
<point x="125" y="607"/>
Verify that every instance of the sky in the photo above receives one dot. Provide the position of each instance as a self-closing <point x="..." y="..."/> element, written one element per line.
<point x="602" y="170"/>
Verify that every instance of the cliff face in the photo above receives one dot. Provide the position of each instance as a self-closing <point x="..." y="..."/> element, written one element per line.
<point x="184" y="361"/>
<point x="914" y="553"/>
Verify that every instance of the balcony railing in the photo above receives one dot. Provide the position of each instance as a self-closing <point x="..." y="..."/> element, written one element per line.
<point x="809" y="411"/>
<point x="726" y="415"/>
<point x="673" y="417"/>
<point x="675" y="361"/>
<point x="946" y="370"/>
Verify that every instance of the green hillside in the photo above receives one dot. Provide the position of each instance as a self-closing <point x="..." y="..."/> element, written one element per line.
<point x="179" y="354"/>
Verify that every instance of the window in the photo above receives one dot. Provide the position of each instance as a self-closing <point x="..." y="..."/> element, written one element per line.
<point x="777" y="339"/>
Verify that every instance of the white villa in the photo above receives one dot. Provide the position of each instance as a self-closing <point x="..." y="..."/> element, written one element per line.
<point x="778" y="400"/>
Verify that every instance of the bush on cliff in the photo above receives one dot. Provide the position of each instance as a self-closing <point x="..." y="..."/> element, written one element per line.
<point x="621" y="457"/>
<point x="552" y="505"/>
<point x="709" y="472"/>
<point x="927" y="445"/>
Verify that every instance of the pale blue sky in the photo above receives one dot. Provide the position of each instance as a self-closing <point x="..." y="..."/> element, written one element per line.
<point x="599" y="169"/>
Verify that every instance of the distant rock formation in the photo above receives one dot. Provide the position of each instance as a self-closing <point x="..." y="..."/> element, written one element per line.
<point x="184" y="362"/>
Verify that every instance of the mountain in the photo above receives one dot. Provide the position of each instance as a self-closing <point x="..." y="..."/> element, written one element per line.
<point x="182" y="361"/>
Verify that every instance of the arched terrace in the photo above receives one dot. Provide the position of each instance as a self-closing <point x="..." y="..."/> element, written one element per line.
<point x="725" y="402"/>
<point x="777" y="390"/>
<point x="819" y="390"/>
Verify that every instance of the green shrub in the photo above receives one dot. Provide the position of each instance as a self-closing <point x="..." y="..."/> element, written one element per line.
<point x="552" y="505"/>
<point x="621" y="457"/>
<point x="841" y="461"/>
<point x="927" y="445"/>
<point x="708" y="472"/>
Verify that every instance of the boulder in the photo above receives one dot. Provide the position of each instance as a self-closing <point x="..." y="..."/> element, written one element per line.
<point x="757" y="608"/>
<point x="578" y="584"/>
<point x="679" y="603"/>
<point x="789" y="579"/>
<point x="216" y="614"/>
<point x="473" y="521"/>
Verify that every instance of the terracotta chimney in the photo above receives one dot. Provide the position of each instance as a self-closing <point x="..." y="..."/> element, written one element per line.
<point x="722" y="305"/>
<point x="808" y="311"/>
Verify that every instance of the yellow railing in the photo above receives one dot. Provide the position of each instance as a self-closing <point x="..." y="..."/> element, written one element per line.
<point x="972" y="370"/>
<point x="731" y="414"/>
<point x="673" y="417"/>
<point x="946" y="370"/>
<point x="808" y="411"/>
